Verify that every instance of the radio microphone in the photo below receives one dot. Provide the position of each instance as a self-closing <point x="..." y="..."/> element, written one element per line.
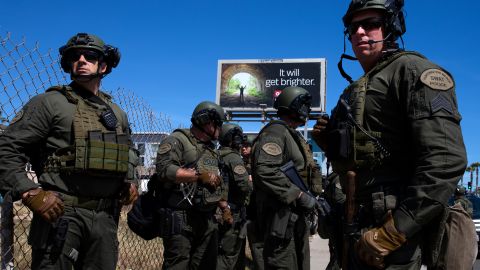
<point x="371" y="41"/>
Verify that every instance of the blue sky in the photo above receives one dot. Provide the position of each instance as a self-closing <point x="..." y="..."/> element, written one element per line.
<point x="170" y="49"/>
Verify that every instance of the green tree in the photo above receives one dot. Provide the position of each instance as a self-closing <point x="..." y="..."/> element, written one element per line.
<point x="233" y="85"/>
<point x="474" y="167"/>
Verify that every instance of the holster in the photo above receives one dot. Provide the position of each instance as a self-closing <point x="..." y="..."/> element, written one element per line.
<point x="171" y="222"/>
<point x="58" y="238"/>
<point x="40" y="229"/>
<point x="283" y="223"/>
<point x="44" y="235"/>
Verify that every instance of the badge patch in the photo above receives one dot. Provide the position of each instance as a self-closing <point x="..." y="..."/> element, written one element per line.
<point x="239" y="169"/>
<point x="17" y="117"/>
<point x="436" y="79"/>
<point x="272" y="149"/>
<point x="164" y="148"/>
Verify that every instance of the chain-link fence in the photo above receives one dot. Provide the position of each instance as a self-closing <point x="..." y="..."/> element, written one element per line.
<point x="26" y="71"/>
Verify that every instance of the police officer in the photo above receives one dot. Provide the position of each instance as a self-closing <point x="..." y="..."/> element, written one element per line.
<point x="396" y="130"/>
<point x="281" y="205"/>
<point x="78" y="142"/>
<point x="191" y="188"/>
<point x="255" y="238"/>
<point x="464" y="202"/>
<point x="233" y="234"/>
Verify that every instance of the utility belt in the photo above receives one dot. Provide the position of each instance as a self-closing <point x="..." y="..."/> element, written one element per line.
<point x="102" y="204"/>
<point x="173" y="221"/>
<point x="372" y="211"/>
<point x="193" y="196"/>
<point x="283" y="223"/>
<point x="104" y="154"/>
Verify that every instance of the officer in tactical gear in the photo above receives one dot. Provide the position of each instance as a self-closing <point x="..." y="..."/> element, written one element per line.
<point x="464" y="202"/>
<point x="78" y="142"/>
<point x="190" y="187"/>
<point x="233" y="234"/>
<point x="282" y="206"/>
<point x="396" y="133"/>
<point x="255" y="238"/>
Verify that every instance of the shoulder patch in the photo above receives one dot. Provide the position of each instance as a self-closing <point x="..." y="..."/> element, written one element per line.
<point x="164" y="148"/>
<point x="17" y="117"/>
<point x="239" y="169"/>
<point x="436" y="79"/>
<point x="272" y="149"/>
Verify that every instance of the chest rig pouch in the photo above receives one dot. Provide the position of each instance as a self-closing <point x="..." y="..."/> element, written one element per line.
<point x="351" y="146"/>
<point x="100" y="148"/>
<point x="203" y="159"/>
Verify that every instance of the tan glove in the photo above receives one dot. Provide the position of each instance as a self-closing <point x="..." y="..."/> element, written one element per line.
<point x="210" y="179"/>
<point x="319" y="133"/>
<point x="377" y="243"/>
<point x="129" y="195"/>
<point x="227" y="216"/>
<point x="47" y="204"/>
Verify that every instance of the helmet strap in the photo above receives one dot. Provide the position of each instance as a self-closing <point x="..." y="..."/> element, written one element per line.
<point x="210" y="135"/>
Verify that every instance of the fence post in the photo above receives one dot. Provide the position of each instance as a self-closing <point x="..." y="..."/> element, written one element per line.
<point x="6" y="232"/>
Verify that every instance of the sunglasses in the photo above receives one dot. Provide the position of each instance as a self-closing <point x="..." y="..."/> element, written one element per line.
<point x="88" y="55"/>
<point x="367" y="24"/>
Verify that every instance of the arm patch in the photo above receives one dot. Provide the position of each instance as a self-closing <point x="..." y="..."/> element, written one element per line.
<point x="164" y="148"/>
<point x="272" y="149"/>
<point x="436" y="79"/>
<point x="240" y="170"/>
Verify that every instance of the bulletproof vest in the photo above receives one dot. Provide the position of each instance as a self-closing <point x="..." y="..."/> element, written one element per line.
<point x="310" y="174"/>
<point x="203" y="159"/>
<point x="351" y="146"/>
<point x="96" y="150"/>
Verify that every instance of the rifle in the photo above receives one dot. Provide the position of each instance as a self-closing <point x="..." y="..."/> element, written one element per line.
<point x="292" y="174"/>
<point x="350" y="212"/>
<point x="317" y="116"/>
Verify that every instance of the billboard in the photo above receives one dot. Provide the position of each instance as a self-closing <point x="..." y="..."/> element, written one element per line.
<point x="253" y="84"/>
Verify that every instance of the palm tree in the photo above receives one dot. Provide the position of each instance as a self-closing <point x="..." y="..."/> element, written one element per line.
<point x="475" y="166"/>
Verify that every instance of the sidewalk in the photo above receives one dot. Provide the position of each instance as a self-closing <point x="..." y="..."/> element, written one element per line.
<point x="319" y="255"/>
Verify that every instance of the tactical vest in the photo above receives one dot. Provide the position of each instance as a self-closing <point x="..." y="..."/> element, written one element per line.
<point x="96" y="151"/>
<point x="310" y="173"/>
<point x="351" y="147"/>
<point x="203" y="159"/>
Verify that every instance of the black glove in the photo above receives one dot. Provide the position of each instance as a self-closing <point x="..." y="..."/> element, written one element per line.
<point x="306" y="201"/>
<point x="323" y="207"/>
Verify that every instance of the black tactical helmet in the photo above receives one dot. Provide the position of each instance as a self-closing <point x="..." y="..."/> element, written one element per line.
<point x="231" y="135"/>
<point x="249" y="138"/>
<point x="296" y="100"/>
<point x="110" y="54"/>
<point x="394" y="18"/>
<point x="461" y="190"/>
<point x="206" y="112"/>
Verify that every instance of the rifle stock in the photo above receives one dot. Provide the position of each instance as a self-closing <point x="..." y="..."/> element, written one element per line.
<point x="349" y="216"/>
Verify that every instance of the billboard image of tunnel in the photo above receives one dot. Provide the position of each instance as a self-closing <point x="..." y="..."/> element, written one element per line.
<point x="254" y="84"/>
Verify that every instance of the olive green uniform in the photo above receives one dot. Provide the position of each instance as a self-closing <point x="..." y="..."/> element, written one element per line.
<point x="283" y="224"/>
<point x="190" y="238"/>
<point x="233" y="237"/>
<point x="39" y="133"/>
<point x="408" y="104"/>
<point x="465" y="203"/>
